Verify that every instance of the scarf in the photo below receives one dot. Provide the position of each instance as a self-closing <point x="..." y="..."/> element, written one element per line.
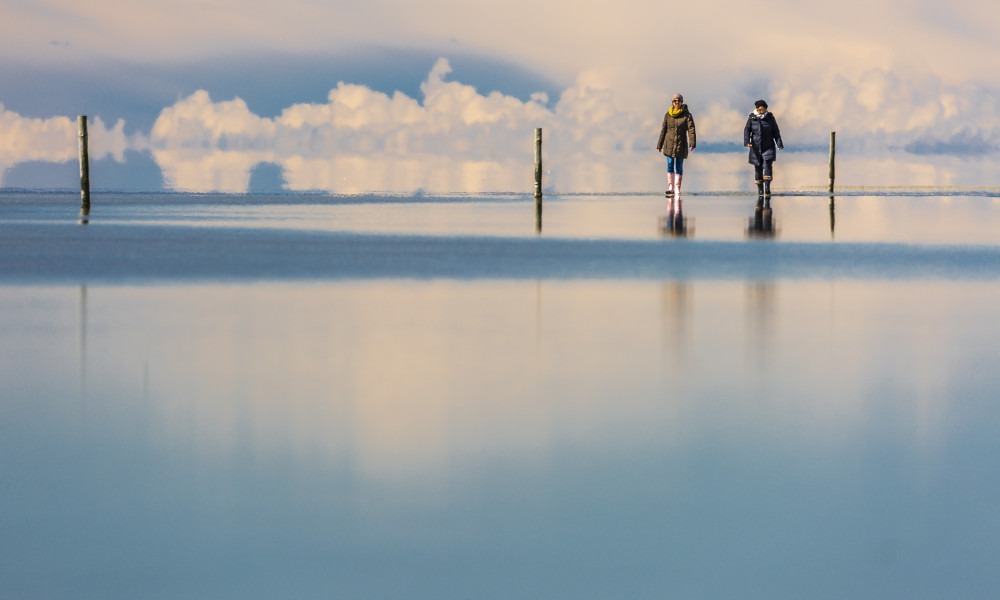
<point x="675" y="111"/>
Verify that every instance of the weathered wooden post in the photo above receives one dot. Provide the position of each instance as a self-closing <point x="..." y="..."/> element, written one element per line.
<point x="833" y="157"/>
<point x="538" y="180"/>
<point x="84" y="169"/>
<point x="538" y="163"/>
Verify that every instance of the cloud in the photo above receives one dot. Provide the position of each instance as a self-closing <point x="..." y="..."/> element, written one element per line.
<point x="55" y="140"/>
<point x="884" y="106"/>
<point x="457" y="139"/>
<point x="454" y="138"/>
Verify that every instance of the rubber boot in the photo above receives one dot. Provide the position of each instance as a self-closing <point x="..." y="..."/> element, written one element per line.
<point x="670" y="185"/>
<point x="677" y="186"/>
<point x="767" y="187"/>
<point x="760" y="187"/>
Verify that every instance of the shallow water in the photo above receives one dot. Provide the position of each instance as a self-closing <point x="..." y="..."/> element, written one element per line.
<point x="396" y="428"/>
<point x="931" y="216"/>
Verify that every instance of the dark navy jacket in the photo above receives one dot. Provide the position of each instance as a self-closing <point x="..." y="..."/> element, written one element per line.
<point x="763" y="133"/>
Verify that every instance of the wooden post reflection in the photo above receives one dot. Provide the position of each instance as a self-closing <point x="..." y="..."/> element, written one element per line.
<point x="83" y="347"/>
<point x="832" y="216"/>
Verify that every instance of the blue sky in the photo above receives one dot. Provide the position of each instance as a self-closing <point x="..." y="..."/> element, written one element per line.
<point x="160" y="79"/>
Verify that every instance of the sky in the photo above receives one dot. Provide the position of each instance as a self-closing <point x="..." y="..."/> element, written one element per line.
<point x="444" y="96"/>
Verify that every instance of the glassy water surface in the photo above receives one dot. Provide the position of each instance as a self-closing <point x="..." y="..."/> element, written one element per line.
<point x="497" y="437"/>
<point x="943" y="216"/>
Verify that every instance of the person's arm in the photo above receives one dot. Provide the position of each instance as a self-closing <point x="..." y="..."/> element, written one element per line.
<point x="777" y="134"/>
<point x="746" y="132"/>
<point x="692" y="137"/>
<point x="663" y="133"/>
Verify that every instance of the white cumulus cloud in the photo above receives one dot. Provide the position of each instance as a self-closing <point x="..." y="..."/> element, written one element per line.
<point x="55" y="140"/>
<point x="454" y="138"/>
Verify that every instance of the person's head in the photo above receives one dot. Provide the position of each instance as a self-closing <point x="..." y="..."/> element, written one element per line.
<point x="760" y="107"/>
<point x="677" y="100"/>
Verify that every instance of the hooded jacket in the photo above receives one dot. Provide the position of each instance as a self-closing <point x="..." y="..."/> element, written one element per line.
<point x="763" y="135"/>
<point x="677" y="134"/>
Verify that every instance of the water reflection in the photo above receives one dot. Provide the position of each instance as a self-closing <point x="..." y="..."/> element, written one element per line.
<point x="760" y="302"/>
<point x="201" y="171"/>
<point x="833" y="219"/>
<point x="674" y="223"/>
<point x="954" y="219"/>
<point x="320" y="440"/>
<point x="83" y="345"/>
<point x="677" y="303"/>
<point x="196" y="168"/>
<point x="762" y="223"/>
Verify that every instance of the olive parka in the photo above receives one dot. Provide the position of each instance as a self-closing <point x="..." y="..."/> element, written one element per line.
<point x="677" y="134"/>
<point x="764" y="137"/>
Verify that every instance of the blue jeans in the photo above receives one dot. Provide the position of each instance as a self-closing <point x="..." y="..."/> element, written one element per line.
<point x="675" y="165"/>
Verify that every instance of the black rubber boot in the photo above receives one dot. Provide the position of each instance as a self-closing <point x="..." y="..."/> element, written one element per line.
<point x="760" y="187"/>
<point x="767" y="188"/>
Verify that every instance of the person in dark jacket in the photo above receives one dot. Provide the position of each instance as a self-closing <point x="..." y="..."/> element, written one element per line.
<point x="677" y="136"/>
<point x="762" y="136"/>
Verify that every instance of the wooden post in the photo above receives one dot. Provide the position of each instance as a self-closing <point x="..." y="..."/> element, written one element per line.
<point x="538" y="162"/>
<point x="833" y="157"/>
<point x="84" y="168"/>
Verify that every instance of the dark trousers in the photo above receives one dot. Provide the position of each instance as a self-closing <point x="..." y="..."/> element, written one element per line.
<point x="762" y="172"/>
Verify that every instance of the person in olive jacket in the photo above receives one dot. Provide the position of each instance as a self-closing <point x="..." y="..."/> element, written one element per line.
<point x="762" y="136"/>
<point x="677" y="136"/>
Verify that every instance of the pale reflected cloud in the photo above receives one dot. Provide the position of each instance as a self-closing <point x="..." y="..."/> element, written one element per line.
<point x="456" y="139"/>
<point x="209" y="170"/>
<point x="406" y="384"/>
<point x="56" y="139"/>
<point x="384" y="172"/>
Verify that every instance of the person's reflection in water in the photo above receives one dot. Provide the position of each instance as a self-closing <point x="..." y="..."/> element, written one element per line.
<point x="676" y="324"/>
<point x="761" y="320"/>
<point x="675" y="224"/>
<point x="762" y="221"/>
